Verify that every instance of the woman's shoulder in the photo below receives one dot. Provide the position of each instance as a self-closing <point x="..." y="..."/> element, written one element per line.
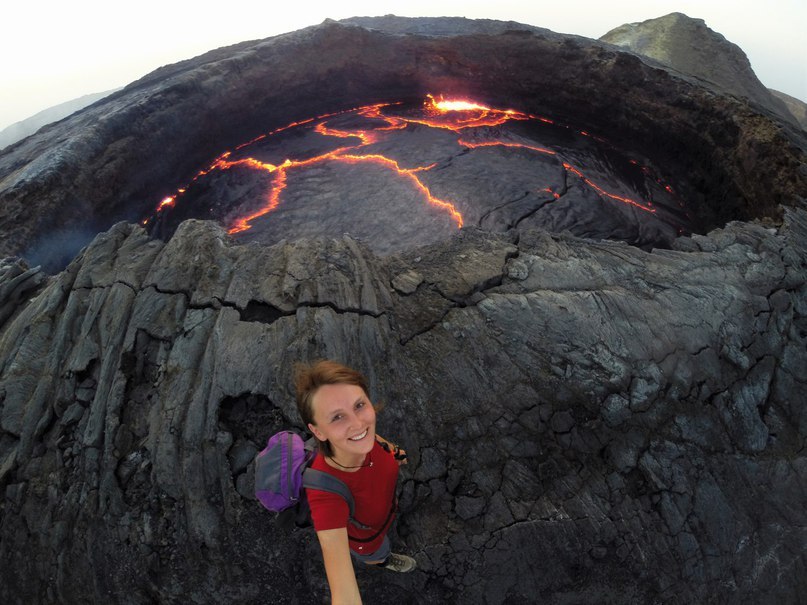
<point x="319" y="463"/>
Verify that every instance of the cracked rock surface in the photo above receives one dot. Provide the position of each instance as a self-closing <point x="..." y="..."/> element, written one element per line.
<point x="17" y="281"/>
<point x="586" y="421"/>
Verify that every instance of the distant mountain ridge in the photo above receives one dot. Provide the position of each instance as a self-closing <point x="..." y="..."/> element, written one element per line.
<point x="19" y="130"/>
<point x="688" y="45"/>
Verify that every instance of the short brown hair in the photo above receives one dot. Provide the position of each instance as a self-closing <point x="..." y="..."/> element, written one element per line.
<point x="308" y="378"/>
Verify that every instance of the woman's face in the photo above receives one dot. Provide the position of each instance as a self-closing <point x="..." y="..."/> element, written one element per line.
<point x="344" y="416"/>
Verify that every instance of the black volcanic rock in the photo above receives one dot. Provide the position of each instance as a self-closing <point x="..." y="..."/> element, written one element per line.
<point x="17" y="281"/>
<point x="585" y="420"/>
<point x="442" y="26"/>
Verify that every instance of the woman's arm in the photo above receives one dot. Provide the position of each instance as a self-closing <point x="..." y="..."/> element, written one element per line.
<point x="339" y="567"/>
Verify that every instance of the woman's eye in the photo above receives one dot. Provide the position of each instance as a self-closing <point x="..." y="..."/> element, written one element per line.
<point x="359" y="405"/>
<point x="337" y="417"/>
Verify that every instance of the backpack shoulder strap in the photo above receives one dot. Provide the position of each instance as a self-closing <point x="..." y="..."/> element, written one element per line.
<point x="326" y="482"/>
<point x="314" y="479"/>
<point x="310" y="444"/>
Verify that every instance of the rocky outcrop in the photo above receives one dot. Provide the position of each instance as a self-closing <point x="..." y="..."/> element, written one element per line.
<point x="117" y="159"/>
<point x="689" y="46"/>
<point x="17" y="281"/>
<point x="795" y="106"/>
<point x="586" y="421"/>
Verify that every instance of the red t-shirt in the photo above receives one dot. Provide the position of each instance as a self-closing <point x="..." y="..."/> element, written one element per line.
<point x="373" y="489"/>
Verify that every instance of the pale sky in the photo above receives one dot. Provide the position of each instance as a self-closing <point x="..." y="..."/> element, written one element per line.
<point x="55" y="51"/>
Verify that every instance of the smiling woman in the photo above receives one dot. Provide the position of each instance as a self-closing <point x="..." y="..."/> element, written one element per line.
<point x="334" y="404"/>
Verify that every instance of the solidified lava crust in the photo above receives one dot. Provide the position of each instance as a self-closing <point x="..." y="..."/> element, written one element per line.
<point x="403" y="175"/>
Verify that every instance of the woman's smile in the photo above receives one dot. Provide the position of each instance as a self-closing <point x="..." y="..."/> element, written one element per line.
<point x="359" y="437"/>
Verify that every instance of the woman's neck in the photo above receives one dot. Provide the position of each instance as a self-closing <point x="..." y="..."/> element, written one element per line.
<point x="348" y="462"/>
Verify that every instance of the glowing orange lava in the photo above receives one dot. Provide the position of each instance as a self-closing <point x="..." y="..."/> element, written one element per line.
<point x="603" y="192"/>
<point x="341" y="155"/>
<point x="474" y="145"/>
<point x="457" y="115"/>
<point x="443" y="105"/>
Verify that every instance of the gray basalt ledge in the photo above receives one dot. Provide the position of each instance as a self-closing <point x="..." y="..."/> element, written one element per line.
<point x="582" y="417"/>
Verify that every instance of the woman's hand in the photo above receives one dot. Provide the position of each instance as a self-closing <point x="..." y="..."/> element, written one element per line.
<point x="397" y="451"/>
<point x="399" y="454"/>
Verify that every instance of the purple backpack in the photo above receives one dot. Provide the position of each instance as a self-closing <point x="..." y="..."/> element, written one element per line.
<point x="282" y="470"/>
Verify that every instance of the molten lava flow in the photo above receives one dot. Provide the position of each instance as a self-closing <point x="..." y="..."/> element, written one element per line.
<point x="278" y="185"/>
<point x="341" y="155"/>
<point x="458" y="115"/>
<point x="367" y="138"/>
<point x="474" y="145"/>
<point x="445" y="106"/>
<point x="604" y="193"/>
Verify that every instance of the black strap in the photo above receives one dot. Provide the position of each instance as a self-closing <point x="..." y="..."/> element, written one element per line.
<point x="384" y="525"/>
<point x="314" y="479"/>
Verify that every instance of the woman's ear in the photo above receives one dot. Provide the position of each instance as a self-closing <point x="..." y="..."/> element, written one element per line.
<point x="316" y="432"/>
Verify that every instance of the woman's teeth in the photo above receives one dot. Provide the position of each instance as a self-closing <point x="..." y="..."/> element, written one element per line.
<point x="358" y="437"/>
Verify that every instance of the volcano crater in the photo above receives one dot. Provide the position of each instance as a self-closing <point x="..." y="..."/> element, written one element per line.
<point x="618" y="128"/>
